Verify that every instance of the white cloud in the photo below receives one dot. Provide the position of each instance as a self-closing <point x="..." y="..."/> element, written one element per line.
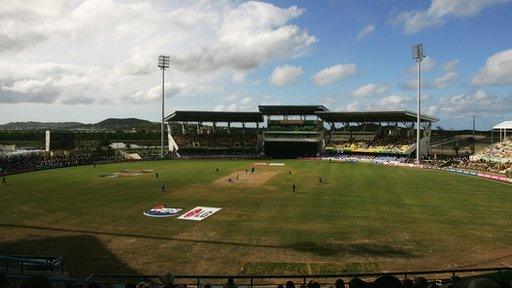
<point x="238" y="77"/>
<point x="427" y="65"/>
<point x="269" y="100"/>
<point x="450" y="75"/>
<point x="221" y="107"/>
<point x="285" y="74"/>
<point x="365" y="32"/>
<point x="88" y="49"/>
<point x="327" y="101"/>
<point x="334" y="73"/>
<point x="451" y="66"/>
<point x="444" y="80"/>
<point x="245" y="101"/>
<point x="248" y="36"/>
<point x="497" y="70"/>
<point x="479" y="100"/>
<point x="439" y="10"/>
<point x="393" y="102"/>
<point x="155" y="93"/>
<point x="370" y="89"/>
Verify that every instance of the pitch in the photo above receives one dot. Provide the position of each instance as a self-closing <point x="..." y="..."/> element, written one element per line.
<point x="362" y="218"/>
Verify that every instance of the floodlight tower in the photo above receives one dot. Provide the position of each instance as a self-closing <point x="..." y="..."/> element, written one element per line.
<point x="418" y="54"/>
<point x="163" y="63"/>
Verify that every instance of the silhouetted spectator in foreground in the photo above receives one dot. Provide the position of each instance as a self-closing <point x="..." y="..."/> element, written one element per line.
<point x="290" y="284"/>
<point x="3" y="280"/>
<point x="313" y="284"/>
<point x="37" y="281"/>
<point x="421" y="282"/>
<point x="483" y="283"/>
<point x="408" y="283"/>
<point x="230" y="284"/>
<point x="387" y="281"/>
<point x="280" y="286"/>
<point x="339" y="283"/>
<point x="357" y="283"/>
<point x="168" y="280"/>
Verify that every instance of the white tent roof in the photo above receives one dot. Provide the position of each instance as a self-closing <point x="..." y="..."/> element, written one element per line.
<point x="503" y="125"/>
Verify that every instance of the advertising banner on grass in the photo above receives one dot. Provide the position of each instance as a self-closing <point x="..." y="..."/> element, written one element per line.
<point x="199" y="213"/>
<point x="162" y="211"/>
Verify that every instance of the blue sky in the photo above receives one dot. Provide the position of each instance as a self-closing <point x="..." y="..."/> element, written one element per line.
<point x="89" y="60"/>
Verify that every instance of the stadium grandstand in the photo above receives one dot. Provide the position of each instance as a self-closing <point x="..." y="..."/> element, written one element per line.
<point x="211" y="132"/>
<point x="379" y="132"/>
<point x="292" y="131"/>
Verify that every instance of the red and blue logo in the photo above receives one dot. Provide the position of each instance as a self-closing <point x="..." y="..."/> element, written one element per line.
<point x="162" y="211"/>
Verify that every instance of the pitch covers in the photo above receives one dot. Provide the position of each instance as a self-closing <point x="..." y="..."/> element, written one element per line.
<point x="199" y="213"/>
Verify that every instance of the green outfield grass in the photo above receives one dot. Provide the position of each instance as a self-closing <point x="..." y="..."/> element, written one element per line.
<point x="365" y="217"/>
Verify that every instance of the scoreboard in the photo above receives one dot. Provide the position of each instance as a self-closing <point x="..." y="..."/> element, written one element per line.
<point x="62" y="140"/>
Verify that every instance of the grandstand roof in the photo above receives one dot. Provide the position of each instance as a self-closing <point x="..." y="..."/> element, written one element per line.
<point x="214" y="116"/>
<point x="503" y="125"/>
<point x="291" y="109"/>
<point x="373" y="116"/>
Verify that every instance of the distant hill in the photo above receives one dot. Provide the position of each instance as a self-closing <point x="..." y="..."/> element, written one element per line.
<point x="32" y="125"/>
<point x="107" y="124"/>
<point x="123" y="122"/>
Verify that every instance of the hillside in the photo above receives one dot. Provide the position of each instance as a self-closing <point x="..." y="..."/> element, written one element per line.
<point x="33" y="125"/>
<point x="107" y="124"/>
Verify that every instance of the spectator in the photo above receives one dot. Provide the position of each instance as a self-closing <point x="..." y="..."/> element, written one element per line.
<point x="408" y="283"/>
<point x="290" y="284"/>
<point x="230" y="284"/>
<point x="421" y="282"/>
<point x="483" y="283"/>
<point x="388" y="281"/>
<point x="37" y="281"/>
<point x="3" y="280"/>
<point x="168" y="280"/>
<point x="357" y="283"/>
<point x="313" y="284"/>
<point x="339" y="283"/>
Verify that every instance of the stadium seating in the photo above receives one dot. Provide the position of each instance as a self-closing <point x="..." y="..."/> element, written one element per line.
<point x="167" y="281"/>
<point x="19" y="163"/>
<point x="384" y="145"/>
<point x="501" y="150"/>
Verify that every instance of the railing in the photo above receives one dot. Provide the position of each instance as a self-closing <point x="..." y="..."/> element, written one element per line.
<point x="19" y="264"/>
<point x="256" y="280"/>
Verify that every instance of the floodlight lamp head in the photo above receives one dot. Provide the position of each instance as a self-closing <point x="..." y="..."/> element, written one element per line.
<point x="417" y="52"/>
<point x="164" y="61"/>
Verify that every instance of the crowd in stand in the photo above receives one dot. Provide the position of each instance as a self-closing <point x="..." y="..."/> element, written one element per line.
<point x="19" y="163"/>
<point x="483" y="165"/>
<point x="385" y="281"/>
<point x="215" y="140"/>
<point x="383" y="144"/>
<point x="499" y="150"/>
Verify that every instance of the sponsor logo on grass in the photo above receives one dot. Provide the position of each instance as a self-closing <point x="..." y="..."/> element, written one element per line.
<point x="162" y="211"/>
<point x="199" y="213"/>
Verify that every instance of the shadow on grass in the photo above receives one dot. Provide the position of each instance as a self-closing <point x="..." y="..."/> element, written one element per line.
<point x="327" y="249"/>
<point x="83" y="254"/>
<point x="360" y="249"/>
